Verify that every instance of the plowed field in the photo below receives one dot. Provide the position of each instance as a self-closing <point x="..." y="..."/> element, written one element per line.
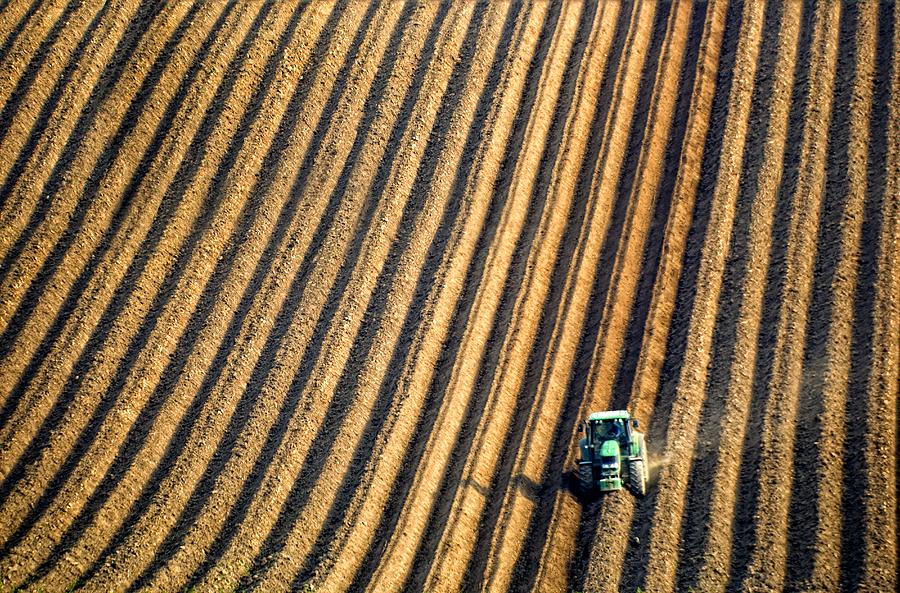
<point x="313" y="296"/>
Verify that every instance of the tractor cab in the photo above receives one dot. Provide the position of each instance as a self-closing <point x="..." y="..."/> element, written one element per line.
<point x="617" y="429"/>
<point x="612" y="453"/>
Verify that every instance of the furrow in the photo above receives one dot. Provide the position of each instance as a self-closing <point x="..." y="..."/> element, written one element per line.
<point x="106" y="400"/>
<point x="60" y="252"/>
<point x="363" y="498"/>
<point x="303" y="554"/>
<point x="767" y="564"/>
<point x="502" y="379"/>
<point x="420" y="381"/>
<point x="49" y="395"/>
<point x="479" y="302"/>
<point x="116" y="218"/>
<point x="815" y="517"/>
<point x="196" y="345"/>
<point x="712" y="486"/>
<point x="50" y="145"/>
<point x="228" y="396"/>
<point x="871" y="564"/>
<point x="697" y="76"/>
<point x="26" y="27"/>
<point x="260" y="485"/>
<point x="659" y="403"/>
<point x="682" y="427"/>
<point x="650" y="49"/>
<point x="37" y="55"/>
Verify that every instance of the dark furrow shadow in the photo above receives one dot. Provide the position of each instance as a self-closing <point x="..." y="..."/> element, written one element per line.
<point x="364" y="343"/>
<point x="620" y="224"/>
<point x="652" y="253"/>
<point x="747" y="499"/>
<point x="90" y="189"/>
<point x="212" y="291"/>
<point x="528" y="563"/>
<point x="695" y="527"/>
<point x="558" y="305"/>
<point x="16" y="29"/>
<point x="313" y="464"/>
<point x="803" y="516"/>
<point x="212" y="201"/>
<point x="858" y="487"/>
<point x="165" y="211"/>
<point x="439" y="385"/>
<point x="554" y="311"/>
<point x="444" y="244"/>
<point x="438" y="388"/>
<point x="636" y="556"/>
<point x="134" y="441"/>
<point x="38" y="58"/>
<point x="442" y="516"/>
<point x="267" y="361"/>
<point x="570" y="97"/>
<point x="127" y="45"/>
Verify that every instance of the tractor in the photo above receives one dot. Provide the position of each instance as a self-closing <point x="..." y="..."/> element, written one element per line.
<point x="613" y="453"/>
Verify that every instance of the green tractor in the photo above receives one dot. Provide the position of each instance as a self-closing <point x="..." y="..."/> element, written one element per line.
<point x="613" y="454"/>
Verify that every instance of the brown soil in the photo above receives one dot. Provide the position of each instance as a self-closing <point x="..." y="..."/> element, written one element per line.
<point x="313" y="296"/>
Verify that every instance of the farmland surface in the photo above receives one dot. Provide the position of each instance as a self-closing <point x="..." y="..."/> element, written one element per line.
<point x="313" y="296"/>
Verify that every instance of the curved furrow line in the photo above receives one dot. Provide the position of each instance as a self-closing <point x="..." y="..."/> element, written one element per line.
<point x="302" y="554"/>
<point x="743" y="525"/>
<point x="57" y="260"/>
<point x="54" y="136"/>
<point x="869" y="555"/>
<point x="76" y="337"/>
<point x="267" y="420"/>
<point x="35" y="56"/>
<point x="506" y="219"/>
<point x="665" y="330"/>
<point x="601" y="38"/>
<point x="701" y="116"/>
<point x="113" y="348"/>
<point x="143" y="448"/>
<point x="28" y="33"/>
<point x="556" y="541"/>
<point x="105" y="394"/>
<point x="66" y="274"/>
<point x="767" y="564"/>
<point x="500" y="378"/>
<point x="363" y="497"/>
<point x="658" y="574"/>
<point x="504" y="127"/>
<point x="815" y="516"/>
<point x="250" y="491"/>
<point x="231" y="274"/>
<point x="87" y="441"/>
<point x="230" y="389"/>
<point x="346" y="521"/>
<point x="16" y="20"/>
<point x="647" y="53"/>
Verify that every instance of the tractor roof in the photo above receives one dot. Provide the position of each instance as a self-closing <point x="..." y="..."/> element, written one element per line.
<point x="610" y="415"/>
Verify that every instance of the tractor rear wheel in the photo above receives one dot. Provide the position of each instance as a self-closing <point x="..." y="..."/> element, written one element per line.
<point x="639" y="469"/>
<point x="637" y="477"/>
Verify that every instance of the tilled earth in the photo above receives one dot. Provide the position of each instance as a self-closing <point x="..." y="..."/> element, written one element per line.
<point x="313" y="296"/>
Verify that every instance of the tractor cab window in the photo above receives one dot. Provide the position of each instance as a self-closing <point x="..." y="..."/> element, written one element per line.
<point x="608" y="429"/>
